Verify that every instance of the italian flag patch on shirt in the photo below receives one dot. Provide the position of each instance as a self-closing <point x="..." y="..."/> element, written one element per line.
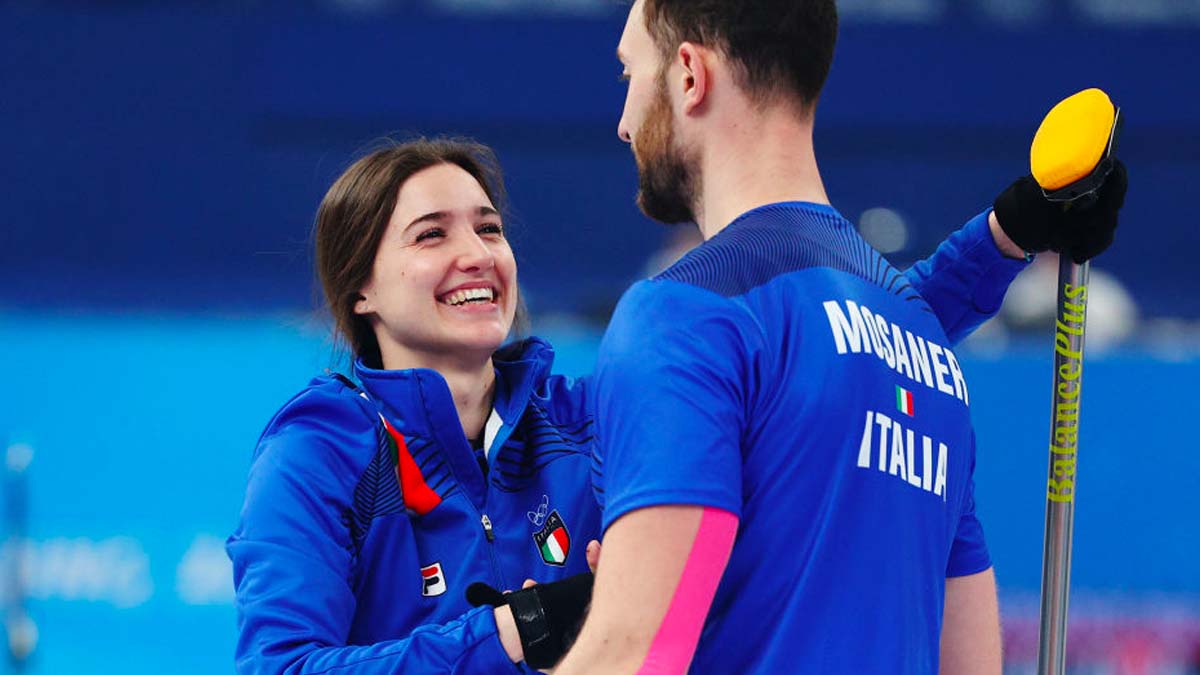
<point x="553" y="540"/>
<point x="904" y="402"/>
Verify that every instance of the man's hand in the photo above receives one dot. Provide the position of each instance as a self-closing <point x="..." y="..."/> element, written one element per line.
<point x="546" y="616"/>
<point x="1036" y="224"/>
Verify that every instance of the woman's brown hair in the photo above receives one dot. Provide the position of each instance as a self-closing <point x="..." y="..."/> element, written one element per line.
<point x="354" y="215"/>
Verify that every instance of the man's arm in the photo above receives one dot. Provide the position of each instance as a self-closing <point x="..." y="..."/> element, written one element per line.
<point x="1006" y="245"/>
<point x="971" y="618"/>
<point x="670" y="404"/>
<point x="673" y="582"/>
<point x="965" y="279"/>
<point x="971" y="626"/>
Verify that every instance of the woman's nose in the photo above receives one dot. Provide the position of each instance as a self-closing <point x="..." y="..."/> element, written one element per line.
<point x="475" y="255"/>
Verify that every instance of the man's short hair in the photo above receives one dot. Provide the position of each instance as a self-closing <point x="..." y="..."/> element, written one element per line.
<point x="781" y="47"/>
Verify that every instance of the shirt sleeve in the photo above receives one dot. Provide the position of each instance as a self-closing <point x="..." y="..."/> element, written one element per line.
<point x="670" y="399"/>
<point x="965" y="279"/>
<point x="292" y="563"/>
<point x="968" y="552"/>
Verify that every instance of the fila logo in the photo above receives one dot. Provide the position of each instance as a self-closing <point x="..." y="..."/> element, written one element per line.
<point x="433" y="580"/>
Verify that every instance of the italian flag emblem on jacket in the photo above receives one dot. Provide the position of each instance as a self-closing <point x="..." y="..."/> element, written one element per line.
<point x="553" y="540"/>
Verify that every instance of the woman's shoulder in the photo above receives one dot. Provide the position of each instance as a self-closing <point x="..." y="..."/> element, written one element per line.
<point x="532" y="360"/>
<point x="564" y="400"/>
<point x="306" y="467"/>
<point x="566" y="387"/>
<point x="330" y="411"/>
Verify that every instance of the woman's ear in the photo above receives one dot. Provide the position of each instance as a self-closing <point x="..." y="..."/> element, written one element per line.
<point x="363" y="304"/>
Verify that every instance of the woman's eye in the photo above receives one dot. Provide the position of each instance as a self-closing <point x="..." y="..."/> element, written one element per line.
<point x="491" y="228"/>
<point x="430" y="234"/>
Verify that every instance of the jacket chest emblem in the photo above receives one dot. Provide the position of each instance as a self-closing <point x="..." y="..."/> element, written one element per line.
<point x="538" y="515"/>
<point x="433" y="580"/>
<point x="553" y="540"/>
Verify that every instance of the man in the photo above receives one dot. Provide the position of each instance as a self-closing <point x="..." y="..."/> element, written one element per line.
<point x="788" y="456"/>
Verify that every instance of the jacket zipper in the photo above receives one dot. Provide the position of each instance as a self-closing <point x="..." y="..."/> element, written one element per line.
<point x="487" y="528"/>
<point x="491" y="541"/>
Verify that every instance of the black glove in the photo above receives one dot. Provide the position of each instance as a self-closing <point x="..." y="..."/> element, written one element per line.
<point x="548" y="616"/>
<point x="1082" y="231"/>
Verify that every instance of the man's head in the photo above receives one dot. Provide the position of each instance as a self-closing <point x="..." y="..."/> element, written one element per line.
<point x="679" y="55"/>
<point x="779" y="48"/>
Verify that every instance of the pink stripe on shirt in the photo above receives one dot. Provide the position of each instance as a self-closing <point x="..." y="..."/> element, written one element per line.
<point x="675" y="643"/>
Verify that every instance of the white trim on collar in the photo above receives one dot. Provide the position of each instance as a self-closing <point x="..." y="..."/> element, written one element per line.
<point x="489" y="432"/>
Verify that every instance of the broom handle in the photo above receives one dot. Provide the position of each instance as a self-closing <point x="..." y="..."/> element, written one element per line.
<point x="1060" y="492"/>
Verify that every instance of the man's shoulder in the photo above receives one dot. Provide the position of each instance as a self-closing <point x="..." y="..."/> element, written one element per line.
<point x="663" y="325"/>
<point x="779" y="240"/>
<point x="663" y="306"/>
<point x="763" y="244"/>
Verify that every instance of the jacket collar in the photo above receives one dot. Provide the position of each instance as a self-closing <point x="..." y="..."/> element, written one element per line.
<point x="417" y="401"/>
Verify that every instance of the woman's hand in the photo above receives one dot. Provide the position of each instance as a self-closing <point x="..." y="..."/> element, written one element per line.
<point x="510" y="639"/>
<point x="593" y="555"/>
<point x="506" y="626"/>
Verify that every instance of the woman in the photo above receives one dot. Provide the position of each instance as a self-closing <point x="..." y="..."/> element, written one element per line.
<point x="370" y="507"/>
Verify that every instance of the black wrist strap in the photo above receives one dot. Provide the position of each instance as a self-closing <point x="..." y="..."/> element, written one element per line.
<point x="533" y="628"/>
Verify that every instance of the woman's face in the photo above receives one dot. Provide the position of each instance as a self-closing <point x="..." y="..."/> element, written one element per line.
<point x="444" y="284"/>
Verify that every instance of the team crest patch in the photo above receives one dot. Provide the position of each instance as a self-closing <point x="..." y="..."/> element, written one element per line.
<point x="433" y="580"/>
<point x="553" y="540"/>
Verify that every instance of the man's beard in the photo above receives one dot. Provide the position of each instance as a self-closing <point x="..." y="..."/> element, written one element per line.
<point x="666" y="175"/>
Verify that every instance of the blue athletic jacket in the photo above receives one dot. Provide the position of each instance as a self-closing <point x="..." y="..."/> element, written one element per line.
<point x="337" y="571"/>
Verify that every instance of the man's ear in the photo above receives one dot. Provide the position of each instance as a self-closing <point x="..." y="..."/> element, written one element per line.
<point x="695" y="78"/>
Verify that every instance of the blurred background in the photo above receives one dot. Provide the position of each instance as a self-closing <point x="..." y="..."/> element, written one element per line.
<point x="162" y="163"/>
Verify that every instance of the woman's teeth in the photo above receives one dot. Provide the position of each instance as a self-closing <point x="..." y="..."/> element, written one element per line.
<point x="469" y="295"/>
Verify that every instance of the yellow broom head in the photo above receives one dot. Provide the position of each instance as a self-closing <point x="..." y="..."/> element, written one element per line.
<point x="1072" y="139"/>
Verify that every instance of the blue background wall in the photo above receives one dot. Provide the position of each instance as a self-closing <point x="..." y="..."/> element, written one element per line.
<point x="162" y="164"/>
<point x="174" y="158"/>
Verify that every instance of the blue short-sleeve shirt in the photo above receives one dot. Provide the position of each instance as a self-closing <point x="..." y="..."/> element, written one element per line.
<point x="785" y="372"/>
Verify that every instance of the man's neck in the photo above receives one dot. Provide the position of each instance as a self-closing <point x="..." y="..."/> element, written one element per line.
<point x="767" y="158"/>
